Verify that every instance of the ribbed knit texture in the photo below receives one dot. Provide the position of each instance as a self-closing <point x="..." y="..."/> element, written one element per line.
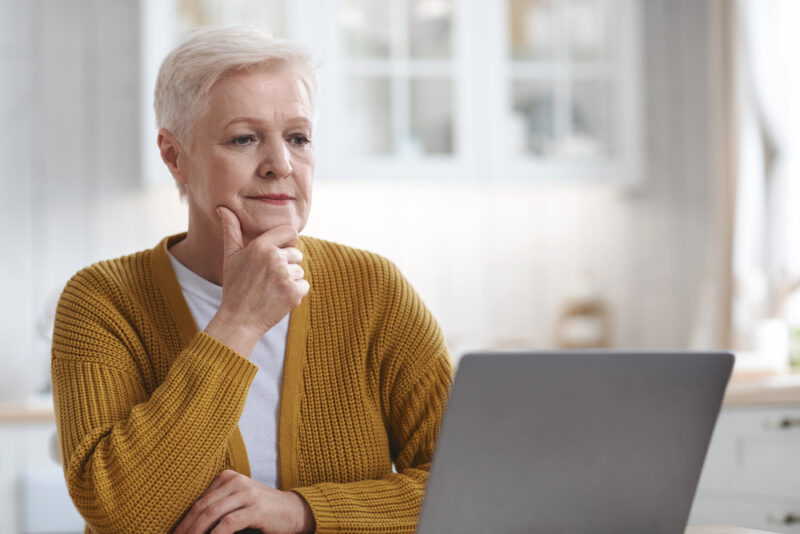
<point x="147" y="407"/>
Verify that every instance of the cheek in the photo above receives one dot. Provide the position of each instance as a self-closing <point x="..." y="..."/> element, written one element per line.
<point x="224" y="178"/>
<point x="305" y="176"/>
<point x="306" y="187"/>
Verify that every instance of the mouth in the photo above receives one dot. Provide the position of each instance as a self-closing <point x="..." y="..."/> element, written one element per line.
<point x="277" y="200"/>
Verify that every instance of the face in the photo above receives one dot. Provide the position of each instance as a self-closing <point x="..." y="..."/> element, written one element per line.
<point x="251" y="152"/>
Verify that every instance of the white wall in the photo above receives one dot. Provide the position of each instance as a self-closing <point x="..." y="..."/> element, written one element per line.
<point x="493" y="260"/>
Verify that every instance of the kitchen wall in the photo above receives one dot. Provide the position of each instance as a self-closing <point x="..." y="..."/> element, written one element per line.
<point x="493" y="260"/>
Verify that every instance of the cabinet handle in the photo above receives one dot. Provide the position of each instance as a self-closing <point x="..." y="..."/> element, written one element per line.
<point x="788" y="519"/>
<point x="789" y="422"/>
<point x="784" y="423"/>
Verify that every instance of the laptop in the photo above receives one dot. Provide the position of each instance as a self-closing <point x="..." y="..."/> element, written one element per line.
<point x="573" y="442"/>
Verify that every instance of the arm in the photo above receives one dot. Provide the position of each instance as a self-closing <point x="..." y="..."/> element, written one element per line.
<point x="392" y="503"/>
<point x="135" y="460"/>
<point x="122" y="441"/>
<point x="415" y="377"/>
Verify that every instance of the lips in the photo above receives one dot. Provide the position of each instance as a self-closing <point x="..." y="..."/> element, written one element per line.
<point x="277" y="199"/>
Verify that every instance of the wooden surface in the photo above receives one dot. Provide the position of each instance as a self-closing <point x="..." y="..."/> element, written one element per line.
<point x="757" y="389"/>
<point x="718" y="529"/>
<point x="39" y="410"/>
<point x="745" y="389"/>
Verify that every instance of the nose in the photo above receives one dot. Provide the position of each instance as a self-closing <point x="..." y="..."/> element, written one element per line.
<point x="275" y="159"/>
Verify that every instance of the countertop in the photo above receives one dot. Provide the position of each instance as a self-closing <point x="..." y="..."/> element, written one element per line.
<point x="759" y="389"/>
<point x="34" y="410"/>
<point x="723" y="530"/>
<point x="745" y="389"/>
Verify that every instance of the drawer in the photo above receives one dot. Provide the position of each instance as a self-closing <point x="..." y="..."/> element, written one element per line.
<point x="755" y="451"/>
<point x="772" y="515"/>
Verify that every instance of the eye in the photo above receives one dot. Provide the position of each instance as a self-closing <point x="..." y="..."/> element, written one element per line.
<point x="299" y="139"/>
<point x="243" y="140"/>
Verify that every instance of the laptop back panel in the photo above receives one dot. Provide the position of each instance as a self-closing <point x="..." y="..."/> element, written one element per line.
<point x="573" y="442"/>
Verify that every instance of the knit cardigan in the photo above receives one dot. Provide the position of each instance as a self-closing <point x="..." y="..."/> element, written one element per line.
<point x="147" y="407"/>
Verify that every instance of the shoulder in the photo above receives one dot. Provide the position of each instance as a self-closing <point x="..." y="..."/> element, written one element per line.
<point x="356" y="283"/>
<point x="330" y="260"/>
<point x="111" y="290"/>
<point x="112" y="276"/>
<point x="100" y="308"/>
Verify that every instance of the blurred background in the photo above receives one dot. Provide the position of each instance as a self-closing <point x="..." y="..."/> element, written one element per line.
<point x="547" y="173"/>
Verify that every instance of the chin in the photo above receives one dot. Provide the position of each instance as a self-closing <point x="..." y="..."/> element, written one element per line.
<point x="263" y="226"/>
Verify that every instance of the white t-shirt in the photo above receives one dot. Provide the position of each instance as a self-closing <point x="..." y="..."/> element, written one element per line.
<point x="259" y="421"/>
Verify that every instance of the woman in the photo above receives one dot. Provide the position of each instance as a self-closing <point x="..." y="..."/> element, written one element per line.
<point x="238" y="375"/>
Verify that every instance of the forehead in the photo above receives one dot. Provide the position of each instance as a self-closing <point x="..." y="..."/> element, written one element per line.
<point x="267" y="93"/>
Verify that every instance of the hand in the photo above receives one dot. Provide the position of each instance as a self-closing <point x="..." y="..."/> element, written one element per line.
<point x="261" y="283"/>
<point x="233" y="502"/>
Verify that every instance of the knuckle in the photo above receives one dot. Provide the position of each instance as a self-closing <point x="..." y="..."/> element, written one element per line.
<point x="263" y="247"/>
<point x="286" y="284"/>
<point x="228" y="521"/>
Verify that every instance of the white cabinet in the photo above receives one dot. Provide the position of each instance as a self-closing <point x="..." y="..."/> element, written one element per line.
<point x="751" y="476"/>
<point x="33" y="493"/>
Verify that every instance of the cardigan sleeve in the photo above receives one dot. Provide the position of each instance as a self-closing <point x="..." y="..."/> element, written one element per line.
<point x="135" y="460"/>
<point x="416" y="375"/>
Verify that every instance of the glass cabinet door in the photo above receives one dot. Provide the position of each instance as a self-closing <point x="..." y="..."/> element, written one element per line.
<point x="398" y="70"/>
<point x="562" y="77"/>
<point x="453" y="89"/>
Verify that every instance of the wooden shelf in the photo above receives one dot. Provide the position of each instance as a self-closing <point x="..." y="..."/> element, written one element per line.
<point x="33" y="411"/>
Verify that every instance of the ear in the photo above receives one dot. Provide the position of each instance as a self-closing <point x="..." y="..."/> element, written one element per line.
<point x="172" y="154"/>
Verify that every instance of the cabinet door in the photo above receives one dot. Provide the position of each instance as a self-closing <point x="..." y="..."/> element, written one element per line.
<point x="750" y="474"/>
<point x="31" y="481"/>
<point x="755" y="451"/>
<point x="767" y="514"/>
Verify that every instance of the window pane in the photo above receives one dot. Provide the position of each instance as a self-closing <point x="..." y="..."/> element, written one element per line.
<point x="431" y="116"/>
<point x="588" y="29"/>
<point x="366" y="26"/>
<point x="532" y="128"/>
<point x="267" y="14"/>
<point x="590" y="112"/>
<point x="270" y="15"/>
<point x="368" y="114"/>
<point x="532" y="29"/>
<point x="430" y="28"/>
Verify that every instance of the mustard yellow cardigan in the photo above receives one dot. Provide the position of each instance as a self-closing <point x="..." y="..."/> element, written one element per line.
<point x="147" y="407"/>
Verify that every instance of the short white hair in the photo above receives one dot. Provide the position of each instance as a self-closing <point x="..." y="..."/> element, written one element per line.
<point x="209" y="54"/>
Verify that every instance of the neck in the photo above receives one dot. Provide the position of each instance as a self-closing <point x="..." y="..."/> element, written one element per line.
<point x="202" y="250"/>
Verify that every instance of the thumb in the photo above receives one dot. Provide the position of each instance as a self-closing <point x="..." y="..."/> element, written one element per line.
<point x="231" y="231"/>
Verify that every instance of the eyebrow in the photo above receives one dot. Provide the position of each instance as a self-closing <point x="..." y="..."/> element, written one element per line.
<point x="293" y="120"/>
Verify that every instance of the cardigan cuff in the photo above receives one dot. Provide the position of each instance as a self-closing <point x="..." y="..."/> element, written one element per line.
<point x="327" y="522"/>
<point x="206" y="357"/>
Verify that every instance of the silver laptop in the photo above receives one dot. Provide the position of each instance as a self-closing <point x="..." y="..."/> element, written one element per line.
<point x="573" y="442"/>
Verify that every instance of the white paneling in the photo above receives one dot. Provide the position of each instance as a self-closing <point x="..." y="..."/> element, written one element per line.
<point x="16" y="25"/>
<point x="60" y="178"/>
<point x="19" y="142"/>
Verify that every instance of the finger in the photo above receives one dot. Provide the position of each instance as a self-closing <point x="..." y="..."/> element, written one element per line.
<point x="216" y="510"/>
<point x="295" y="271"/>
<point x="303" y="287"/>
<point x="280" y="236"/>
<point x="197" y="508"/>
<point x="292" y="255"/>
<point x="224" y="476"/>
<point x="231" y="231"/>
<point x="232" y="522"/>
